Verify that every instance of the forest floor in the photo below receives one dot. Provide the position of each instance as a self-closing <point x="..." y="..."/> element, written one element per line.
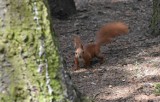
<point x="132" y="62"/>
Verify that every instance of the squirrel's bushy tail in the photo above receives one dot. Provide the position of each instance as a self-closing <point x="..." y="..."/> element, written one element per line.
<point x="109" y="31"/>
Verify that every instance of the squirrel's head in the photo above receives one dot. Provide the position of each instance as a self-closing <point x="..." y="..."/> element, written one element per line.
<point x="79" y="52"/>
<point x="79" y="47"/>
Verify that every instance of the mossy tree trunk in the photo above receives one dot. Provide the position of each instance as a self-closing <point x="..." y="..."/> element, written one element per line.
<point x="62" y="8"/>
<point x="155" y="23"/>
<point x="31" y="69"/>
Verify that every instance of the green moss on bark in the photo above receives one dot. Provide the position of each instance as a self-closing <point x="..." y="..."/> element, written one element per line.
<point x="23" y="36"/>
<point x="155" y="23"/>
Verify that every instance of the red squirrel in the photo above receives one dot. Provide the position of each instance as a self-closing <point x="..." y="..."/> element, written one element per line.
<point x="104" y="35"/>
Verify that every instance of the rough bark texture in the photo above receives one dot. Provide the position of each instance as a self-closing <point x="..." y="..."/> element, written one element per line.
<point x="62" y="8"/>
<point x="155" y="24"/>
<point x="30" y="66"/>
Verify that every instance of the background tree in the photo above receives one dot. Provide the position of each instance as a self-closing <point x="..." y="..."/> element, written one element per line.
<point x="155" y="23"/>
<point x="155" y="27"/>
<point x="62" y="8"/>
<point x="31" y="69"/>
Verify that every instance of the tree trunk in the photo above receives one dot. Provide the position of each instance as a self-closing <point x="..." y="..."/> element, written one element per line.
<point x="62" y="8"/>
<point x="31" y="68"/>
<point x="155" y="23"/>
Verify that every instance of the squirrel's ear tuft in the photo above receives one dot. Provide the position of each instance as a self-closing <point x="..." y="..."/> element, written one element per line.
<point x="77" y="41"/>
<point x="81" y="46"/>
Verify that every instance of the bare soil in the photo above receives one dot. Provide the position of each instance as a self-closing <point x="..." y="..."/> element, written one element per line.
<point x="132" y="62"/>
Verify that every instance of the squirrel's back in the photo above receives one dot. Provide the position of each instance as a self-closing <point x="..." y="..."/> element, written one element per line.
<point x="111" y="30"/>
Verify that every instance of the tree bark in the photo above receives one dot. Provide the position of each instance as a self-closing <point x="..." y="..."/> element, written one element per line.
<point x="62" y="8"/>
<point x="31" y="69"/>
<point x="155" y="23"/>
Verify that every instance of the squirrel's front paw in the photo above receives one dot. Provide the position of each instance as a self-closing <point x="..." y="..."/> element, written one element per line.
<point x="75" y="68"/>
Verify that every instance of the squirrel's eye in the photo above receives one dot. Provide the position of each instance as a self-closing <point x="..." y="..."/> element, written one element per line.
<point x="76" y="53"/>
